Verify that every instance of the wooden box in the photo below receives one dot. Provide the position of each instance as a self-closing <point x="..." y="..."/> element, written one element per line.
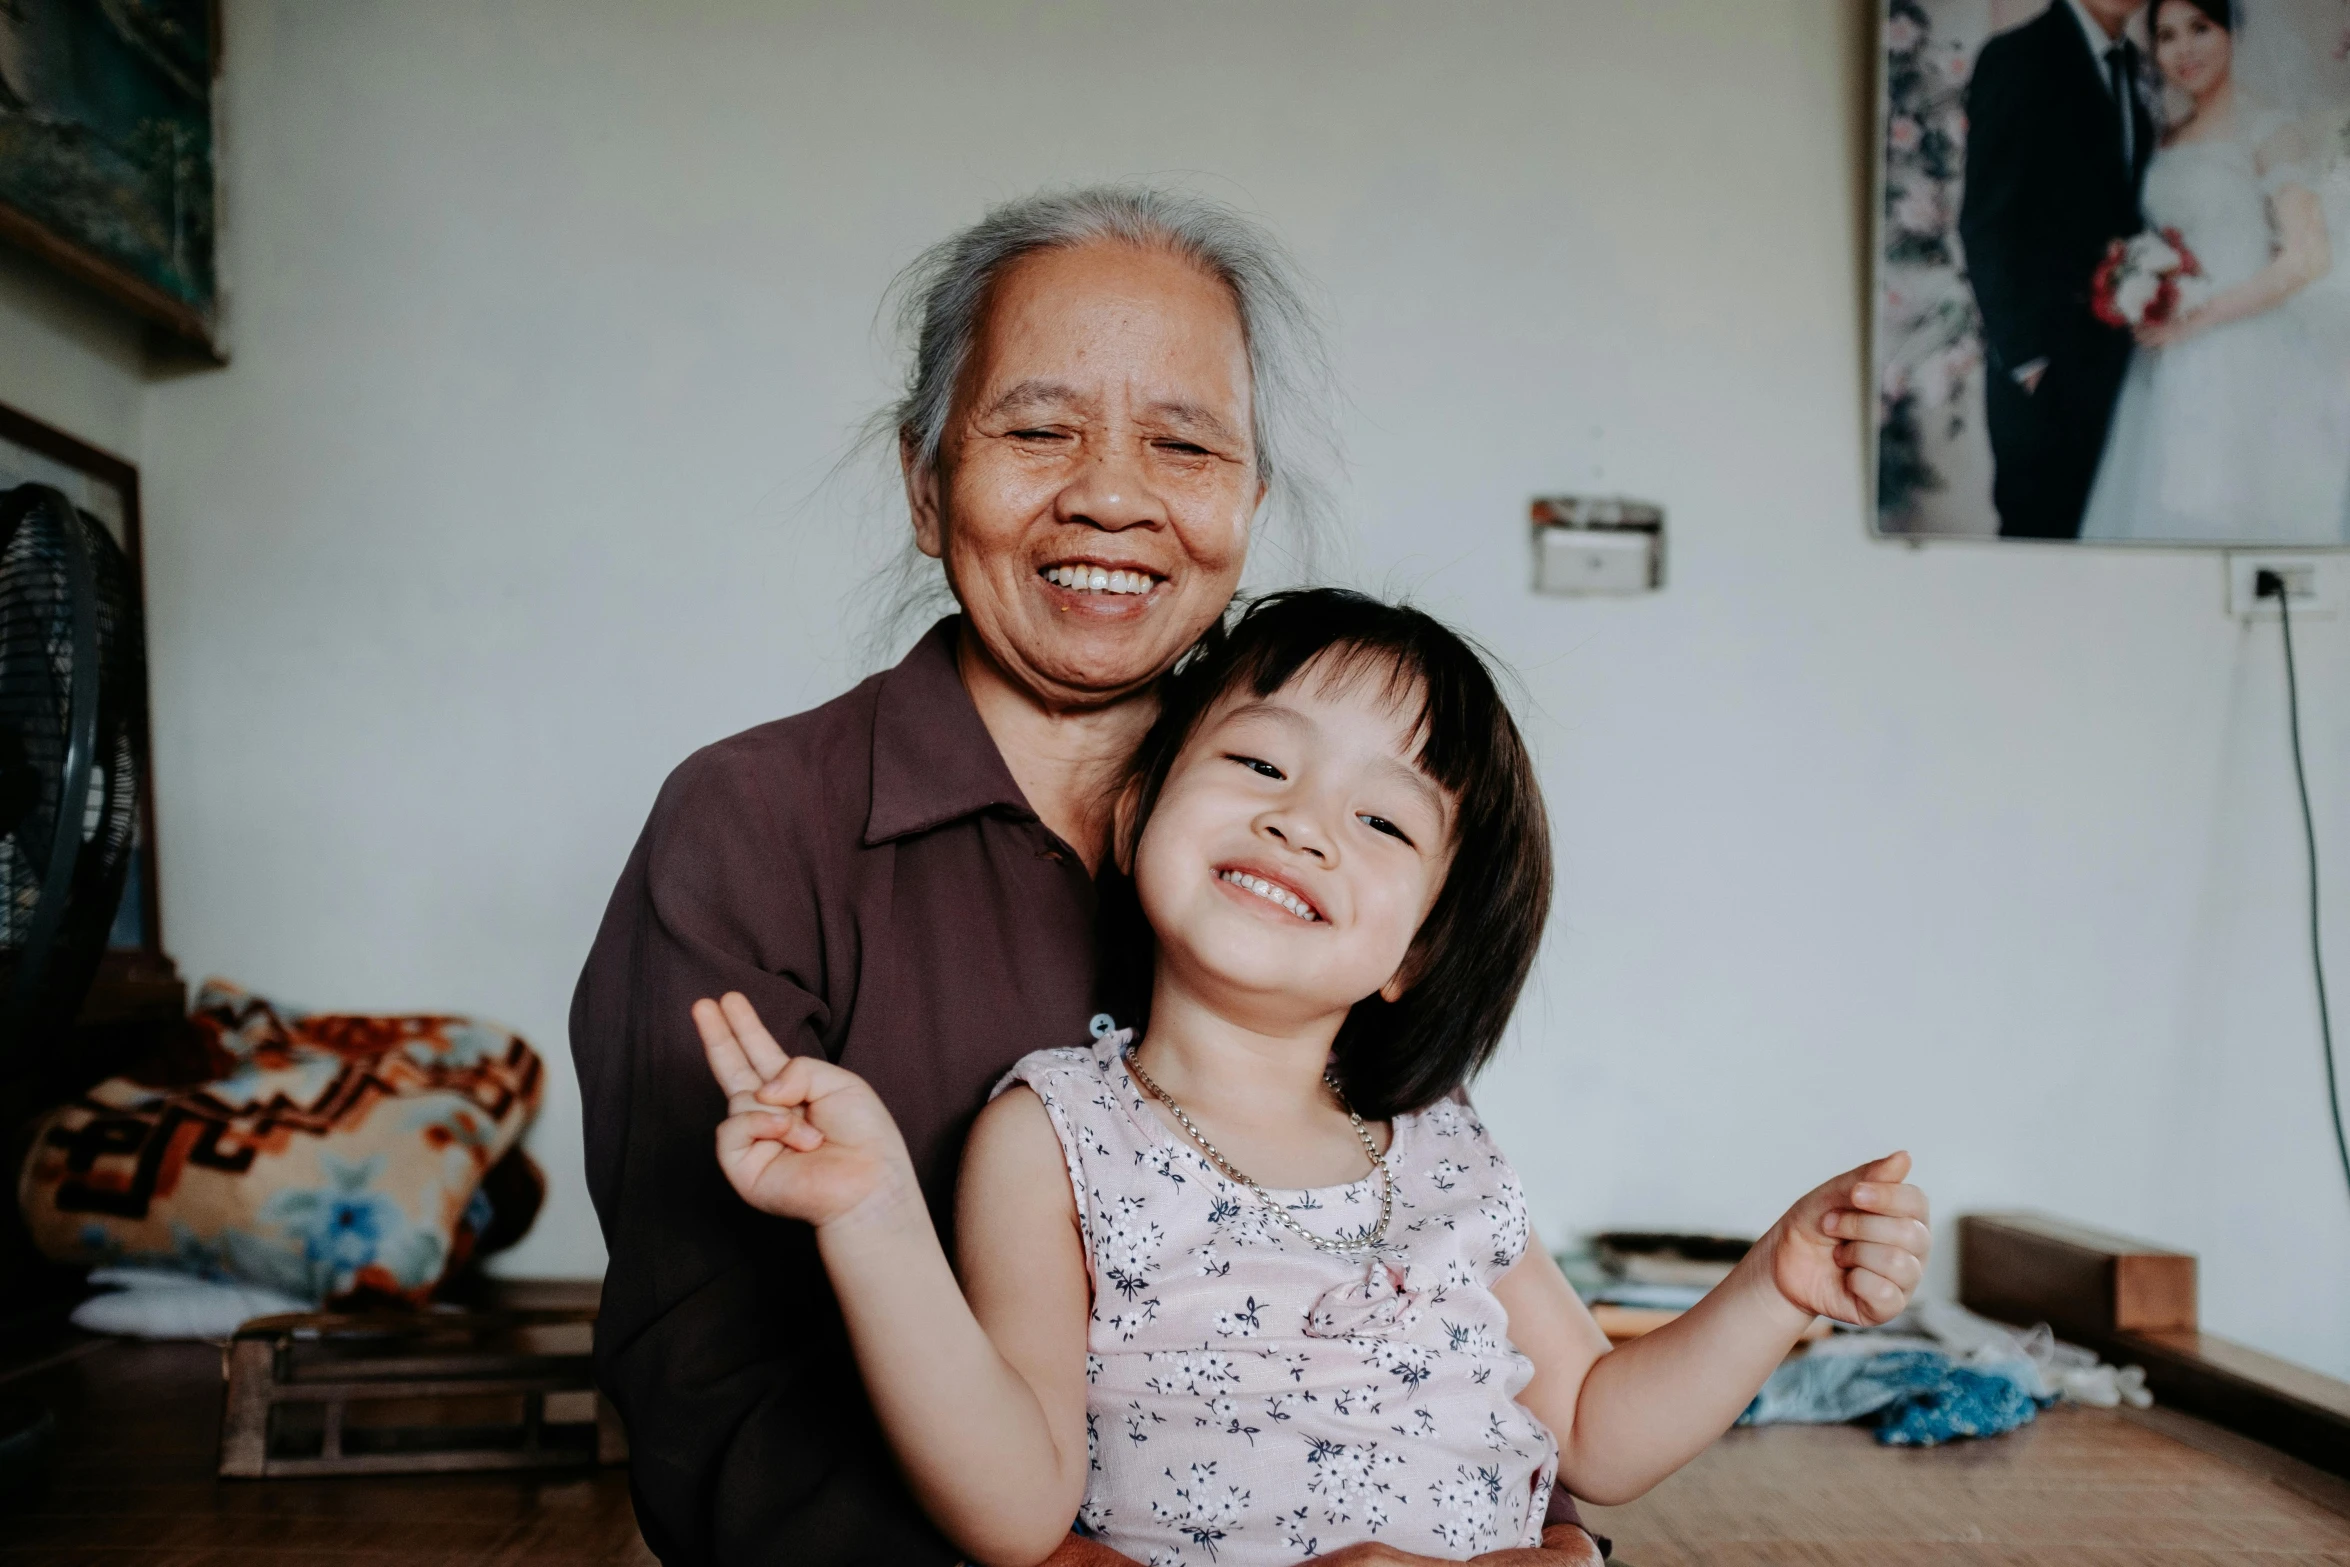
<point x="2085" y="1283"/>
<point x="415" y="1392"/>
<point x="2135" y="1304"/>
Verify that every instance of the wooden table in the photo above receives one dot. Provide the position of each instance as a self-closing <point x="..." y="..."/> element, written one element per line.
<point x="135" y="1488"/>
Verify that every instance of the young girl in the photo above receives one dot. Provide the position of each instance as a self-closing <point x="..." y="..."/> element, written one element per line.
<point x="1250" y="1282"/>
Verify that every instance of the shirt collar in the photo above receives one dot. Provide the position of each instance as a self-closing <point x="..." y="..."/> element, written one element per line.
<point x="933" y="760"/>
<point x="2094" y="33"/>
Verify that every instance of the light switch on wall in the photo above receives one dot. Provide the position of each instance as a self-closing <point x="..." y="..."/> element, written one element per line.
<point x="1590" y="545"/>
<point x="1578" y="560"/>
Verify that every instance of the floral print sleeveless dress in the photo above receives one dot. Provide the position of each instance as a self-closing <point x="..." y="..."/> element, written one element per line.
<point x="1254" y="1401"/>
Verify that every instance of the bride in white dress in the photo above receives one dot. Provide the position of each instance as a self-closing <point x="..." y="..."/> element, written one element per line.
<point x="2233" y="424"/>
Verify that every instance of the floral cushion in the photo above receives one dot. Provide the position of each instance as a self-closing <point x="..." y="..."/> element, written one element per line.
<point x="328" y="1156"/>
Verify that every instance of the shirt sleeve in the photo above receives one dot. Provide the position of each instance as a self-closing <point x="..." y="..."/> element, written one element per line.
<point x="719" y="1341"/>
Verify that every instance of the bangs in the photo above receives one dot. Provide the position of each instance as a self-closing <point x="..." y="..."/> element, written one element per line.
<point x="1421" y="670"/>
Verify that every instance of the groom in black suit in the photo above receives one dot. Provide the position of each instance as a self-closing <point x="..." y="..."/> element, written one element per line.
<point x="2058" y="139"/>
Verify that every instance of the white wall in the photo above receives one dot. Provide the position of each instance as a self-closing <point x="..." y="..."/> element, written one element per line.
<point x="68" y="358"/>
<point x="550" y="318"/>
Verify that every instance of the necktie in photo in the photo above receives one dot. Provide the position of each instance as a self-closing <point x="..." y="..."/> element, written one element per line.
<point x="2117" y="72"/>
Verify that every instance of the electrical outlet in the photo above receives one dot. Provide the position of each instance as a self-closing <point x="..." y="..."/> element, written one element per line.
<point x="2314" y="584"/>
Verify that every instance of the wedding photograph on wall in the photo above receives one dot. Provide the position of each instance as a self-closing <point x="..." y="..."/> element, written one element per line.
<point x="2112" y="294"/>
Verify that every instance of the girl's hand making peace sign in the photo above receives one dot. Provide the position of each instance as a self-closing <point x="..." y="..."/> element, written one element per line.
<point x="802" y="1139"/>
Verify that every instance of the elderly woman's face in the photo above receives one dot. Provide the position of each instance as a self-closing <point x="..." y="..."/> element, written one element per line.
<point x="1098" y="474"/>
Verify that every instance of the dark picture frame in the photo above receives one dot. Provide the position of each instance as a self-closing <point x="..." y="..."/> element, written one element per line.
<point x="107" y="152"/>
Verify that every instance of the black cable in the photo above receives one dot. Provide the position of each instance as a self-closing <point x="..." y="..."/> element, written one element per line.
<point x="2271" y="585"/>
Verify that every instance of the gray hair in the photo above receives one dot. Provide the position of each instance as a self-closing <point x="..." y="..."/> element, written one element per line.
<point x="941" y="296"/>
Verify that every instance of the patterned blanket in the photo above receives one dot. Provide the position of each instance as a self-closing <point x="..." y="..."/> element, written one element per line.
<point x="329" y="1156"/>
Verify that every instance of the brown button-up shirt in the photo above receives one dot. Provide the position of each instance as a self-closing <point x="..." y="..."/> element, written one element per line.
<point x="869" y="875"/>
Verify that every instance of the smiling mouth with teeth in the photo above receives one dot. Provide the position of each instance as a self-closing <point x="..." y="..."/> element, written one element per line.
<point x="1271" y="892"/>
<point x="1099" y="579"/>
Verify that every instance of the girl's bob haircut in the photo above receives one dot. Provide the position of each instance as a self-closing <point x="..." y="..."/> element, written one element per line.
<point x="1472" y="954"/>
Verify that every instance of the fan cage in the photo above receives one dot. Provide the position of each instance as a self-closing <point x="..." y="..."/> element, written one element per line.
<point x="42" y="982"/>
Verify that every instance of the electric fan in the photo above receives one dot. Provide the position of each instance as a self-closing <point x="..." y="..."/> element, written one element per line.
<point x="72" y="762"/>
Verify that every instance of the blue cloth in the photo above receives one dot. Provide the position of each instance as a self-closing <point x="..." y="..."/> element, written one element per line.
<point x="1921" y="1396"/>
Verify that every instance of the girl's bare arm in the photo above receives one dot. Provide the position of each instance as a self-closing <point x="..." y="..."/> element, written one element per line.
<point x="1625" y="1418"/>
<point x="1628" y="1417"/>
<point x="1022" y="1260"/>
<point x="992" y="1440"/>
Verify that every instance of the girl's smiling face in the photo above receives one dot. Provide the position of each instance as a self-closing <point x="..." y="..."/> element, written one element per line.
<point x="1296" y="848"/>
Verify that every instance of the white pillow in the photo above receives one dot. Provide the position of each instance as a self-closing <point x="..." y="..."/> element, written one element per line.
<point x="152" y="1303"/>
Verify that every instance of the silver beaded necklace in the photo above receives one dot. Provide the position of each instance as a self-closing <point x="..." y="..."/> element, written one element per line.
<point x="1367" y="1246"/>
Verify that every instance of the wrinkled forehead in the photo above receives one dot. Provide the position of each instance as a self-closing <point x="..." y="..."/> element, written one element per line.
<point x="1076" y="306"/>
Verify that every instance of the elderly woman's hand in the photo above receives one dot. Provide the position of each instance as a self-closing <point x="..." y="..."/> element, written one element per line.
<point x="1562" y="1545"/>
<point x="802" y="1139"/>
<point x="1078" y="1551"/>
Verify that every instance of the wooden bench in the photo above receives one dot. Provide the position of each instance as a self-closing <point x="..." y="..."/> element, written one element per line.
<point x="2134" y="1302"/>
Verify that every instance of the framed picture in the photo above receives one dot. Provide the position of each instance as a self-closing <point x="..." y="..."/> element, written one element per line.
<point x="106" y="150"/>
<point x="108" y="489"/>
<point x="2111" y="300"/>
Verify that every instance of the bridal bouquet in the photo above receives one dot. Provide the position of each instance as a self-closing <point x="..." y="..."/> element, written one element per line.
<point x="2147" y="279"/>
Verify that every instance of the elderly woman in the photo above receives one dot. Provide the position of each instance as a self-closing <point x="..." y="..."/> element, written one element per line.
<point x="1104" y="391"/>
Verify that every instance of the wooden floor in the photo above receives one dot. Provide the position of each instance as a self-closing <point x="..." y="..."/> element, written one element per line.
<point x="134" y="1487"/>
<point x="2081" y="1488"/>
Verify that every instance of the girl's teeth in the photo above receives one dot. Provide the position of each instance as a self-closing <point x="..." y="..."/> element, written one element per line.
<point x="1272" y="893"/>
